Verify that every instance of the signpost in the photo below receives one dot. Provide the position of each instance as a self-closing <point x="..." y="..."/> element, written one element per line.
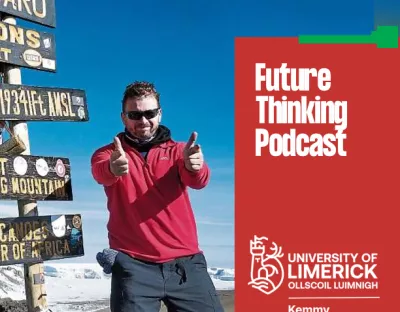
<point x="39" y="11"/>
<point x="27" y="47"/>
<point x="31" y="239"/>
<point x="40" y="238"/>
<point x="40" y="103"/>
<point x="35" y="177"/>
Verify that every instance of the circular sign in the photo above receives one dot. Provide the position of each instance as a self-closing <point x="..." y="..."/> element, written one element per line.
<point x="42" y="167"/>
<point x="60" y="168"/>
<point x="81" y="113"/>
<point x="76" y="222"/>
<point x="20" y="165"/>
<point x="58" y="225"/>
<point x="32" y="58"/>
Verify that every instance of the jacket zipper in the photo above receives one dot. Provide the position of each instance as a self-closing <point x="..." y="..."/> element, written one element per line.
<point x="144" y="160"/>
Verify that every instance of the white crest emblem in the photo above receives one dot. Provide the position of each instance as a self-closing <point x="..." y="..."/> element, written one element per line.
<point x="266" y="269"/>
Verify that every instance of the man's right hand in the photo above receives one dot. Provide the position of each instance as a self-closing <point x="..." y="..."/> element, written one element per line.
<point x="118" y="160"/>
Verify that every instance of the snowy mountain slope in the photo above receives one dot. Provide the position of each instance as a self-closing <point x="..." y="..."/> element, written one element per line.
<point x="81" y="286"/>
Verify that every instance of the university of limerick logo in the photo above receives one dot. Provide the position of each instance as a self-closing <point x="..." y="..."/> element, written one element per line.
<point x="266" y="269"/>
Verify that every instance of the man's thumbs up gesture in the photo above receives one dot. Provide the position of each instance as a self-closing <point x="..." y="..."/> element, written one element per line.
<point x="118" y="160"/>
<point x="192" y="154"/>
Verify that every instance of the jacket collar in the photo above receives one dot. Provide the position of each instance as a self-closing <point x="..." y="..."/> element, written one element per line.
<point x="164" y="145"/>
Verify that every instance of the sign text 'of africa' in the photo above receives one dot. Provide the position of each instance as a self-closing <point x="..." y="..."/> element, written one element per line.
<point x="38" y="238"/>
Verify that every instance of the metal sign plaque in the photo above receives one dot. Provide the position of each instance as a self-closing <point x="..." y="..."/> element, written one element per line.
<point x="30" y="103"/>
<point x="35" y="177"/>
<point x="38" y="11"/>
<point x="40" y="238"/>
<point x="27" y="47"/>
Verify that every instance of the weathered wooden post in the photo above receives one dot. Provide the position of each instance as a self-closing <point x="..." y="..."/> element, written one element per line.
<point x="35" y="290"/>
<point x="28" y="178"/>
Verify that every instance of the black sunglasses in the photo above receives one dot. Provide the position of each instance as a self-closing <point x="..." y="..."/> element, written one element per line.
<point x="137" y="115"/>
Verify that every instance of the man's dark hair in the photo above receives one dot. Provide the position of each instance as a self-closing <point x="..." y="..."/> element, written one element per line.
<point x="140" y="89"/>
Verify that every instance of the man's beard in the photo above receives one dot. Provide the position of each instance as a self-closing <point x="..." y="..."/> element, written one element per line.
<point x="142" y="139"/>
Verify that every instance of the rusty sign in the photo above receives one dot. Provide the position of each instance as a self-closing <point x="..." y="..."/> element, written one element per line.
<point x="26" y="47"/>
<point x="40" y="238"/>
<point x="35" y="177"/>
<point x="38" y="11"/>
<point x="30" y="103"/>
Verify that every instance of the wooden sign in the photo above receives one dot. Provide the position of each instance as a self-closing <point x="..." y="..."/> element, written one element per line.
<point x="35" y="177"/>
<point x="40" y="238"/>
<point x="39" y="11"/>
<point x="29" y="103"/>
<point x="27" y="47"/>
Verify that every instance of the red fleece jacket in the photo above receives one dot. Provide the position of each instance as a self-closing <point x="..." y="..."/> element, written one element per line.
<point x="151" y="217"/>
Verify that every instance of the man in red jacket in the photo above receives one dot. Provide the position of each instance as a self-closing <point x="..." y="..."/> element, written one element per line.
<point x="151" y="227"/>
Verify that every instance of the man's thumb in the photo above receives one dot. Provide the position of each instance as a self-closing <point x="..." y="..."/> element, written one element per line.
<point x="118" y="146"/>
<point x="192" y="140"/>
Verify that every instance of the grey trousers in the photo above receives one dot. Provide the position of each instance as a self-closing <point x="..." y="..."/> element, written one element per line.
<point x="184" y="285"/>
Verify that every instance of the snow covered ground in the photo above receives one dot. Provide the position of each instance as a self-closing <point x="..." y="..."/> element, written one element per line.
<point x="83" y="287"/>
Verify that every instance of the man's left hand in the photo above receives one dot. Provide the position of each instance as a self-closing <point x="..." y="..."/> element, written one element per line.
<point x="192" y="154"/>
